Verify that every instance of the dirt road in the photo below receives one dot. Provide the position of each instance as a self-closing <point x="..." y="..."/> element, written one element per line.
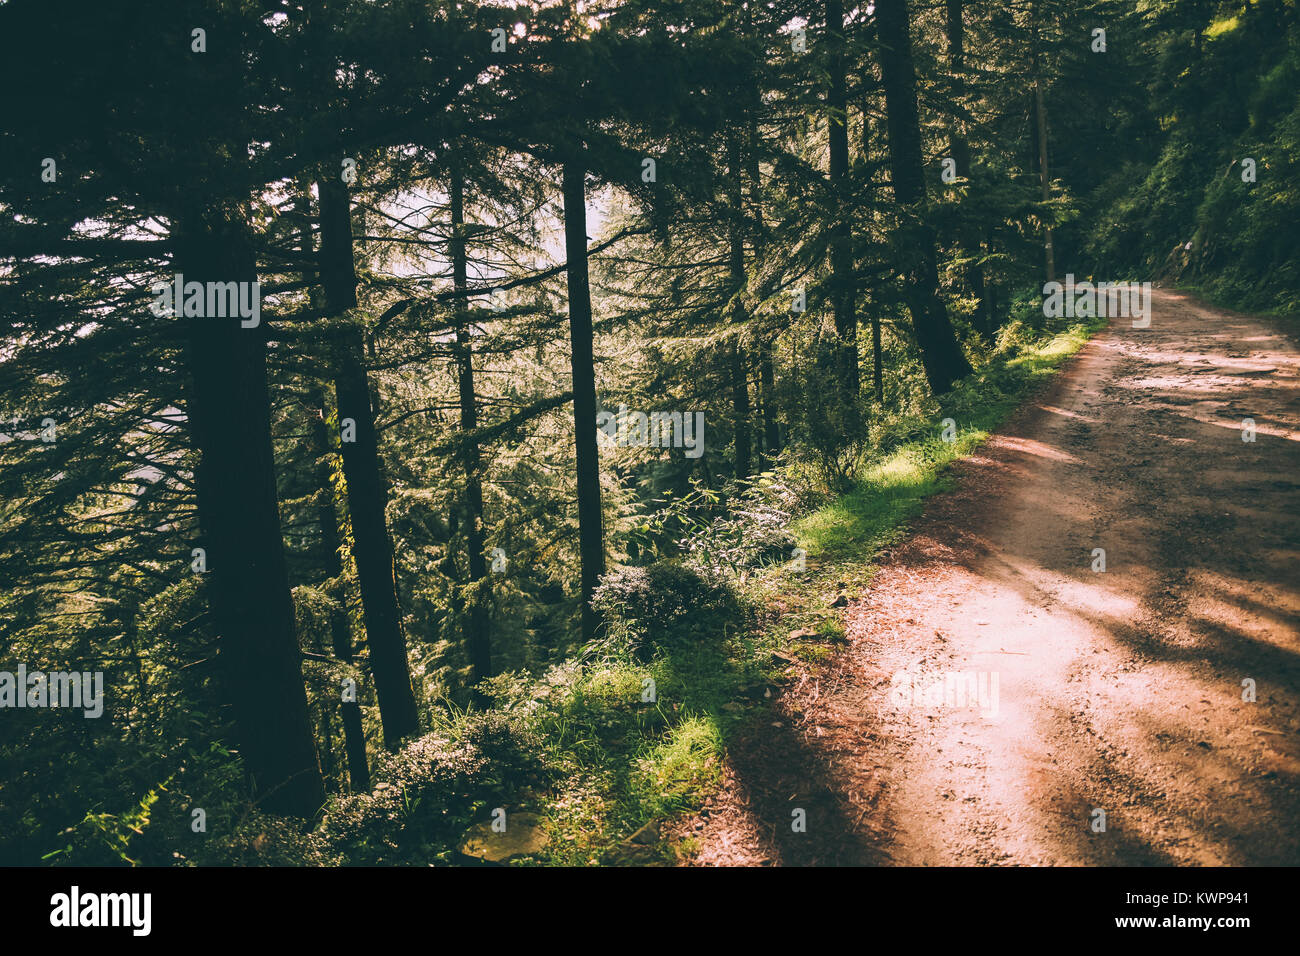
<point x="1119" y="691"/>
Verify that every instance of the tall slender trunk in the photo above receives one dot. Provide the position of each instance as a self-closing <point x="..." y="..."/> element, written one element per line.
<point x="736" y="272"/>
<point x="764" y="344"/>
<point x="959" y="149"/>
<point x="477" y="638"/>
<point x="354" y="737"/>
<point x="767" y="390"/>
<point x="331" y="543"/>
<point x="367" y="496"/>
<point x="741" y="409"/>
<point x="877" y="358"/>
<point x="941" y="355"/>
<point x="1040" y="112"/>
<point x="228" y="409"/>
<point x="591" y="544"/>
<point x="955" y="30"/>
<point x="843" y="297"/>
<point x="1040" y="121"/>
<point x="991" y="316"/>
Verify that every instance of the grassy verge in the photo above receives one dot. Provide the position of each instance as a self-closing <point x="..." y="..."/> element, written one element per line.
<point x="629" y="765"/>
<point x="1232" y="298"/>
<point x="593" y="763"/>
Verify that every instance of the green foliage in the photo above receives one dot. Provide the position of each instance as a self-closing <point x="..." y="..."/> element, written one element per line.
<point x="687" y="273"/>
<point x="1186" y="214"/>
<point x="103" y="839"/>
<point x="907" y="463"/>
<point x="666" y="604"/>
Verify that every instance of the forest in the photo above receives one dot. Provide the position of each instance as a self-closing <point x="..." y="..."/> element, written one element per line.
<point x="435" y="433"/>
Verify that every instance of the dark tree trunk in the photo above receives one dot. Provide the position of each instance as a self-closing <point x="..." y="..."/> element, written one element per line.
<point x="941" y="354"/>
<point x="765" y="344"/>
<point x="228" y="409"/>
<point x="957" y="144"/>
<point x="842" y="279"/>
<point x="959" y="149"/>
<point x="327" y="748"/>
<point x="591" y="544"/>
<point x="741" y="410"/>
<point x="992" y="318"/>
<point x="1040" y="124"/>
<point x="354" y="738"/>
<point x="477" y="638"/>
<point x="877" y="360"/>
<point x="877" y="357"/>
<point x="739" y="366"/>
<point x="767" y="387"/>
<point x="367" y="495"/>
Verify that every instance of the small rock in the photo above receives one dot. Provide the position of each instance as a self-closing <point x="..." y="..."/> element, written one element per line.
<point x="804" y="634"/>
<point x="647" y="835"/>
<point x="840" y="601"/>
<point x="629" y="855"/>
<point x="523" y="836"/>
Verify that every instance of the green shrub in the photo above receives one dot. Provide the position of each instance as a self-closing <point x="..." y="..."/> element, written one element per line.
<point x="427" y="794"/>
<point x="663" y="605"/>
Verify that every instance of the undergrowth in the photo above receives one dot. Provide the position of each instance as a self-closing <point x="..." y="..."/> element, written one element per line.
<point x="608" y="749"/>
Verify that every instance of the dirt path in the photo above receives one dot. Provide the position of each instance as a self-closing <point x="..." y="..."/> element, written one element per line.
<point x="1118" y="691"/>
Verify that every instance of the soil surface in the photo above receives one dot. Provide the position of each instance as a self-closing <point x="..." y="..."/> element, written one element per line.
<point x="1117" y="691"/>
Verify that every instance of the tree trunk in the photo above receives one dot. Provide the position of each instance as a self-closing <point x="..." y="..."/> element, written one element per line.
<point x="941" y="354"/>
<point x="477" y="638"/>
<point x="843" y="298"/>
<point x="959" y="149"/>
<point x="367" y="496"/>
<point x="765" y="344"/>
<point x="740" y="407"/>
<point x="877" y="360"/>
<point x="736" y="269"/>
<point x="1040" y="119"/>
<point x="955" y="30"/>
<point x="354" y="738"/>
<point x="767" y="386"/>
<point x="228" y="410"/>
<point x="591" y="545"/>
<point x="991" y="317"/>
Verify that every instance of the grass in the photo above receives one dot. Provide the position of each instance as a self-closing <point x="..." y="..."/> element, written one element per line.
<point x="1221" y="26"/>
<point x="1225" y="293"/>
<point x="626" y="763"/>
<point x="628" y="748"/>
<point x="889" y="492"/>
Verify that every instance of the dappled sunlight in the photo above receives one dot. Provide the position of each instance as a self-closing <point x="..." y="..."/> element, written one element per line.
<point x="1139" y="607"/>
<point x="1038" y="449"/>
<point x="1068" y="413"/>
